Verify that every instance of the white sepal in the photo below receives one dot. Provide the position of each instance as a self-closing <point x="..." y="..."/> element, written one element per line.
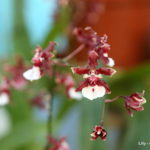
<point x="73" y="94"/>
<point x="4" y="99"/>
<point x="111" y="62"/>
<point x="32" y="74"/>
<point x="64" y="146"/>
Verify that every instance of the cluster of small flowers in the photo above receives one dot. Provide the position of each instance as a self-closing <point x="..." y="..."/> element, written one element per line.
<point x="92" y="41"/>
<point x="58" y="144"/>
<point x="14" y="80"/>
<point x="42" y="63"/>
<point x="93" y="86"/>
<point x="132" y="103"/>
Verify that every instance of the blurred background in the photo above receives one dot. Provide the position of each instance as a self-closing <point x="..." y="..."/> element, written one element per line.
<point x="25" y="24"/>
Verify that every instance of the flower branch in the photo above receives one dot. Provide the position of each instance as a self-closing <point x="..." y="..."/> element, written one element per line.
<point x="75" y="52"/>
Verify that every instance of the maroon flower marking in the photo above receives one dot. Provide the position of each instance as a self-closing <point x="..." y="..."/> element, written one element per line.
<point x="16" y="80"/>
<point x="134" y="102"/>
<point x="41" y="100"/>
<point x="92" y="41"/>
<point x="42" y="63"/>
<point x="99" y="132"/>
<point x="58" y="144"/>
<point x="93" y="86"/>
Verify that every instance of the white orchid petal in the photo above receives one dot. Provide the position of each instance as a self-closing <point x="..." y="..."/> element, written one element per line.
<point x="86" y="76"/>
<point x="32" y="74"/>
<point x="64" y="146"/>
<point x="93" y="92"/>
<point x="75" y="95"/>
<point x="111" y="62"/>
<point x="105" y="54"/>
<point x="5" y="122"/>
<point x="143" y="100"/>
<point x="4" y="99"/>
<point x="98" y="76"/>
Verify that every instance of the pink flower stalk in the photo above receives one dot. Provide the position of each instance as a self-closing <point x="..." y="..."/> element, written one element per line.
<point x="134" y="102"/>
<point x="99" y="132"/>
<point x="16" y="80"/>
<point x="94" y="42"/>
<point x="58" y="144"/>
<point x="93" y="86"/>
<point x="4" y="92"/>
<point x="69" y="83"/>
<point x="42" y="63"/>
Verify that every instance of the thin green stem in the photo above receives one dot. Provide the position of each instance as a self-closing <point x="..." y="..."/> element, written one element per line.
<point x="50" y="117"/>
<point x="102" y="114"/>
<point x="49" y="122"/>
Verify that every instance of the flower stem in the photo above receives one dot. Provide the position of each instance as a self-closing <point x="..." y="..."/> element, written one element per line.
<point x="49" y="122"/>
<point x="50" y="117"/>
<point x="112" y="100"/>
<point x="76" y="51"/>
<point x="102" y="114"/>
